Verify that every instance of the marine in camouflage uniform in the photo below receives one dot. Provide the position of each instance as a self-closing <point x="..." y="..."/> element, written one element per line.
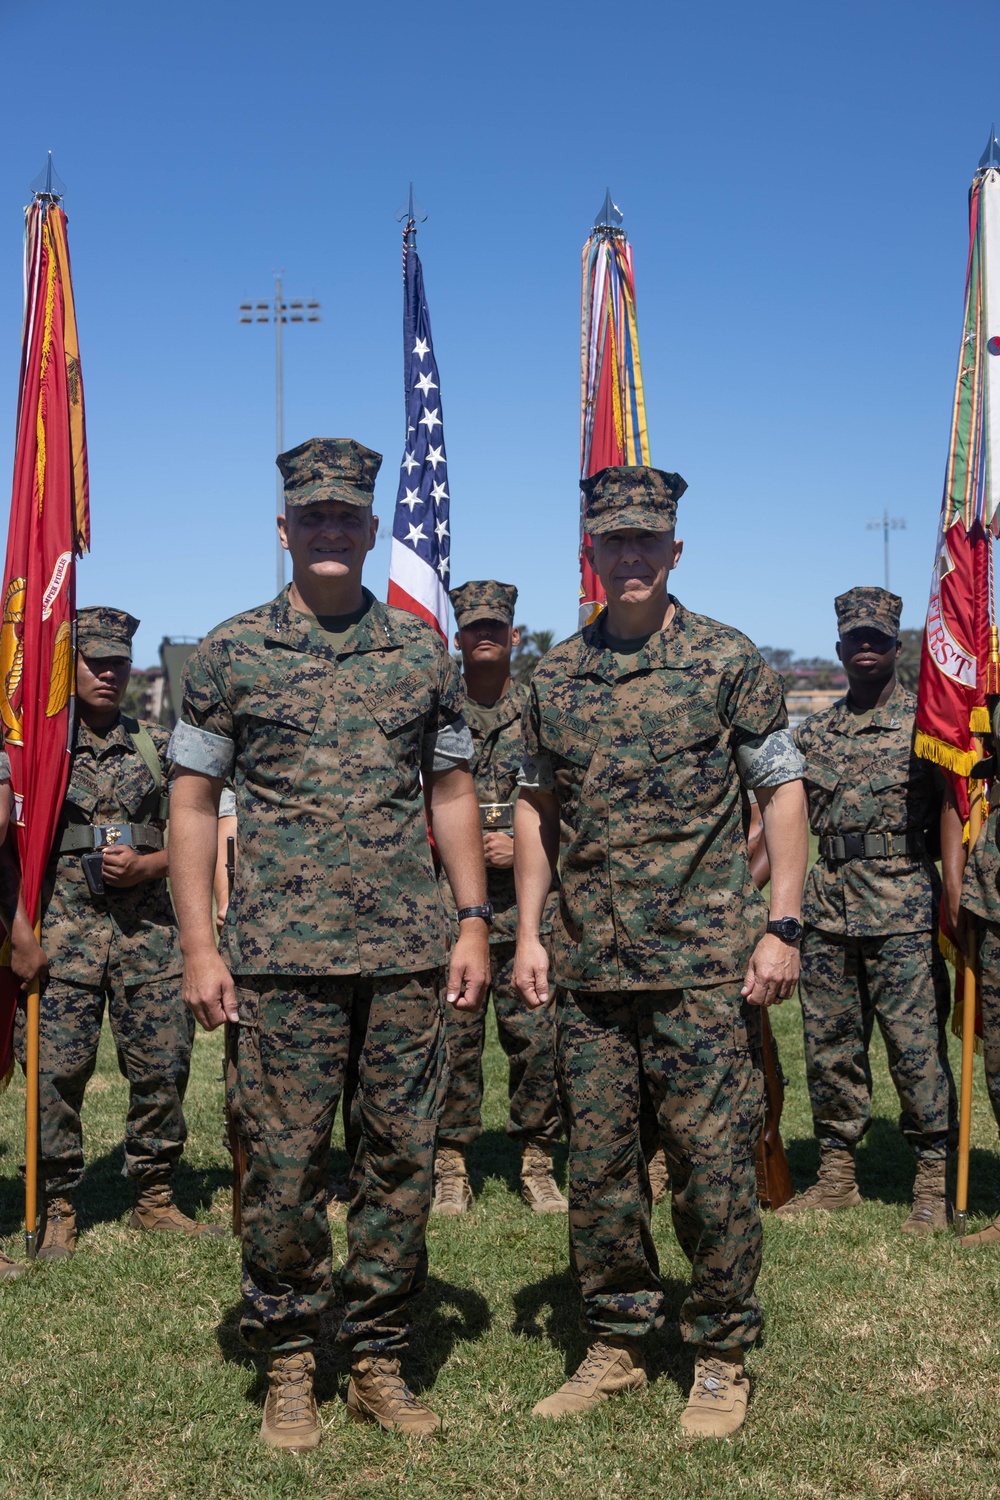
<point x="484" y="614"/>
<point x="870" y="951"/>
<point x="640" y="749"/>
<point x="116" y="950"/>
<point x="10" y="879"/>
<point x="323" y="709"/>
<point x="980" y="897"/>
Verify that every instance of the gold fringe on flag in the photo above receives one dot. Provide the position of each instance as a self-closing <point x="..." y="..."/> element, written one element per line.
<point x="979" y="719"/>
<point x="942" y="754"/>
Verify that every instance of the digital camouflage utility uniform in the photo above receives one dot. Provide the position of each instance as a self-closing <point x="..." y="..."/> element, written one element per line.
<point x="527" y="1036"/>
<point x="869" y="951"/>
<point x="981" y="896"/>
<point x="335" y="932"/>
<point x="647" y="748"/>
<point x="118" y="950"/>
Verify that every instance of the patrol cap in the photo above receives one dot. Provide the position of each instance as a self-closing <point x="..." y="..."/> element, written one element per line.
<point x="329" y="469"/>
<point x="101" y="631"/>
<point x="868" y="608"/>
<point x="484" y="599"/>
<point x="636" y="497"/>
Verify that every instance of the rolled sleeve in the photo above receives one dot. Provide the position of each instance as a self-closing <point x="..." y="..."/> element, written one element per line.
<point x="199" y="750"/>
<point x="447" y="747"/>
<point x="227" y="803"/>
<point x="536" y="774"/>
<point x="769" y="760"/>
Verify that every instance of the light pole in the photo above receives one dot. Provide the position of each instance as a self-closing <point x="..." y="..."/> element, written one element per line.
<point x="279" y="313"/>
<point x="886" y="523"/>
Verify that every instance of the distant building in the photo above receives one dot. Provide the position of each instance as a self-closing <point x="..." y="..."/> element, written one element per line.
<point x="153" y="691"/>
<point x="801" y="702"/>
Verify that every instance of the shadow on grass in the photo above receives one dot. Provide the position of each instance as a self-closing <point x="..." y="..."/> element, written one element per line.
<point x="106" y="1195"/>
<point x="550" y="1309"/>
<point x="443" y="1315"/>
<point x="495" y="1155"/>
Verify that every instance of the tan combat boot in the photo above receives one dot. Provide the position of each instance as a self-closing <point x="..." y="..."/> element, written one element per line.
<point x="834" y="1189"/>
<point x="717" y="1405"/>
<point x="930" y="1201"/>
<point x="9" y="1269"/>
<point x="988" y="1236"/>
<point x="452" y="1189"/>
<point x="378" y="1393"/>
<point x="156" y="1211"/>
<point x="659" y="1176"/>
<point x="290" y="1419"/>
<point x="57" y="1233"/>
<point x="608" y="1368"/>
<point x="538" y="1186"/>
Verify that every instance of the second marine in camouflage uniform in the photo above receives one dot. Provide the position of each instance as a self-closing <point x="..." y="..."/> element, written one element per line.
<point x="871" y="903"/>
<point x="484" y="615"/>
<point x="117" y="949"/>
<point x="331" y="713"/>
<point x="639" y="749"/>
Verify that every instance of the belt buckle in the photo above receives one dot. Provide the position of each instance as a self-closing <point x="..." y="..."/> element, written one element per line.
<point x="888" y="845"/>
<point x="107" y="835"/>
<point x="493" y="815"/>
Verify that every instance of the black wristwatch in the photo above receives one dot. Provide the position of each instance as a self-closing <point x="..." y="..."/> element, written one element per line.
<point x="486" y="912"/>
<point x="789" y="929"/>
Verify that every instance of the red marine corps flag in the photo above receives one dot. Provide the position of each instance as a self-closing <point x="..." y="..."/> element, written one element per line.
<point x="49" y="528"/>
<point x="958" y="666"/>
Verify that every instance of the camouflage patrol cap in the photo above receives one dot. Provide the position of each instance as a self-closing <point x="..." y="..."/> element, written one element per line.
<point x="636" y="497"/>
<point x="101" y="631"/>
<point x="483" y="600"/>
<point x="868" y="608"/>
<point x="329" y="469"/>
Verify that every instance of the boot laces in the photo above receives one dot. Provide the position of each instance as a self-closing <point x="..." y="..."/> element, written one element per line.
<point x="292" y="1391"/>
<point x="594" y="1365"/>
<point x="395" y="1388"/>
<point x="713" y="1379"/>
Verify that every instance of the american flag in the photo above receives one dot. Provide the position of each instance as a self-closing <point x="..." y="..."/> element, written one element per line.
<point x="421" y="541"/>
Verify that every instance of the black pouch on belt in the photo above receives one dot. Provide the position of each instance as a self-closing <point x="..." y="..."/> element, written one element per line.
<point x="94" y="870"/>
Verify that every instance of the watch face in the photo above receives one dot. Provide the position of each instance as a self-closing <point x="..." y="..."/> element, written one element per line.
<point x="790" y="929"/>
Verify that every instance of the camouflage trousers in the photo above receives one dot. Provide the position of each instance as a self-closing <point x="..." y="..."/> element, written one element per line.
<point x="153" y="1031"/>
<point x="295" y="1041"/>
<point x="846" y="985"/>
<point x="989" y="994"/>
<point x="528" y="1037"/>
<point x="695" y="1055"/>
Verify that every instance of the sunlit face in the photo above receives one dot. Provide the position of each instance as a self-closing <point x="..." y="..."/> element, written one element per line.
<point x="634" y="565"/>
<point x="868" y="655"/>
<point x="486" y="642"/>
<point x="328" y="540"/>
<point x="101" y="681"/>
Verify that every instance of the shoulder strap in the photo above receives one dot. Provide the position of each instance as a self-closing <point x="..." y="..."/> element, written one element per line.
<point x="143" y="742"/>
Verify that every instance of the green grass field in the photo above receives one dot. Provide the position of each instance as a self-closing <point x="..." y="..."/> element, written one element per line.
<point x="877" y="1375"/>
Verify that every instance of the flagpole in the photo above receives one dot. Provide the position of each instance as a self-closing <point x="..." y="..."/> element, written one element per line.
<point x="32" y="1114"/>
<point x="970" y="981"/>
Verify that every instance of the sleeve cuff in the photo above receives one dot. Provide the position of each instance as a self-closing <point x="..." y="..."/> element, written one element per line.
<point x="227" y="803"/>
<point x="448" y="747"/>
<point x="769" y="760"/>
<point x="200" y="750"/>
<point x="536" y="773"/>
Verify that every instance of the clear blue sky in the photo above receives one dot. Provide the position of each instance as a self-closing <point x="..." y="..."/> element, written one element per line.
<point x="793" y="179"/>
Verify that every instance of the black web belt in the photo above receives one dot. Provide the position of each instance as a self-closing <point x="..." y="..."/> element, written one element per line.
<point x="843" y="846"/>
<point x="82" y="836"/>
